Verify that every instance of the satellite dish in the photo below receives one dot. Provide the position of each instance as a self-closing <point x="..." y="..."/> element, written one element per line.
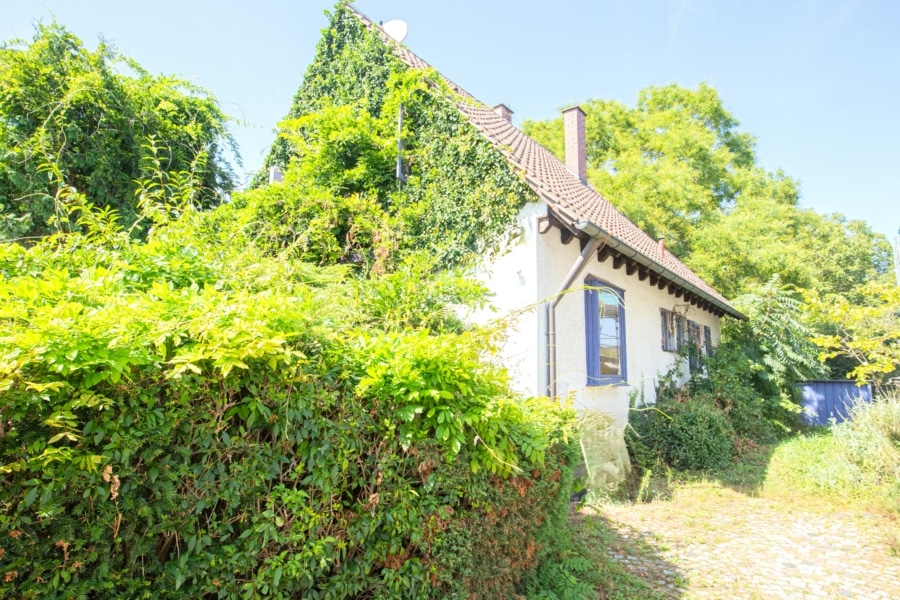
<point x="397" y="29"/>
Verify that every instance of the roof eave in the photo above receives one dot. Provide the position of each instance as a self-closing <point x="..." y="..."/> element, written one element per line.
<point x="618" y="245"/>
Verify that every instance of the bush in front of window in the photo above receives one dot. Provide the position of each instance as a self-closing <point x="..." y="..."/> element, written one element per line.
<point x="685" y="435"/>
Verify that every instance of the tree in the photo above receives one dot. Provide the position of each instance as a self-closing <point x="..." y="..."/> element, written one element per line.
<point x="867" y="331"/>
<point x="678" y="166"/>
<point x="848" y="256"/>
<point x="775" y="336"/>
<point x="670" y="163"/>
<point x="72" y="118"/>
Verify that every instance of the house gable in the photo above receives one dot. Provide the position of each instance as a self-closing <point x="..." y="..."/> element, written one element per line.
<point x="572" y="201"/>
<point x="461" y="197"/>
<point x="568" y="359"/>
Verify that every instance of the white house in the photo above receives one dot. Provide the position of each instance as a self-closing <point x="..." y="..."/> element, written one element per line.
<point x="611" y="305"/>
<point x="602" y="344"/>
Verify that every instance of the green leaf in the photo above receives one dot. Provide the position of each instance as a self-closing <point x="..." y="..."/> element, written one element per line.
<point x="30" y="496"/>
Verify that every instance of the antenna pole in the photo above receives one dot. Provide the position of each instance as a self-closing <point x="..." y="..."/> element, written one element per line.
<point x="897" y="256"/>
<point x="401" y="176"/>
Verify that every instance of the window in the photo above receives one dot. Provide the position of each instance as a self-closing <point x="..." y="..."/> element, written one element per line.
<point x="605" y="333"/>
<point x="679" y="333"/>
<point x="674" y="330"/>
<point x="695" y="345"/>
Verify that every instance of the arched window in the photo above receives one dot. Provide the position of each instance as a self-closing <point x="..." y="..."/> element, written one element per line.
<point x="604" y="314"/>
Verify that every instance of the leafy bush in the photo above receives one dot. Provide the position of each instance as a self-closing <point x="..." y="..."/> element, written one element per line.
<point x="692" y="434"/>
<point x="222" y="411"/>
<point x="871" y="438"/>
<point x="85" y="116"/>
<point x="728" y="383"/>
<point x="189" y="417"/>
<point x="776" y="339"/>
<point x="751" y="377"/>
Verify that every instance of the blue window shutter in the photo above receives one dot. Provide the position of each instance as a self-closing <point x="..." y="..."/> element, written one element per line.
<point x="664" y="332"/>
<point x="592" y="333"/>
<point x="694" y="345"/>
<point x="707" y="339"/>
<point x="680" y="333"/>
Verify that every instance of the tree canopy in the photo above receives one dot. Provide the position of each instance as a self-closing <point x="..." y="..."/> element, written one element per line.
<point x="678" y="165"/>
<point x="75" y="118"/>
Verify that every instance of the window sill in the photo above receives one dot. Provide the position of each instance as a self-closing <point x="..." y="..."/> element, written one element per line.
<point x="609" y="383"/>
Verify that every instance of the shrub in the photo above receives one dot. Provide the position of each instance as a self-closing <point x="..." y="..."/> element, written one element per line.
<point x="686" y="435"/>
<point x="752" y="375"/>
<point x="870" y="438"/>
<point x="745" y="389"/>
<point x="728" y="382"/>
<point x="186" y="419"/>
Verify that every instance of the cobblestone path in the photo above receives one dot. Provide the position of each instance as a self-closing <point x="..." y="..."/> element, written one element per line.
<point x="720" y="544"/>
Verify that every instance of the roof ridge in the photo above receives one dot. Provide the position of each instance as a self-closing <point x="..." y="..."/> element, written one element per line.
<point x="401" y="49"/>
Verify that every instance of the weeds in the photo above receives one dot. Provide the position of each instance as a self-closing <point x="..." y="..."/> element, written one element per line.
<point x="645" y="483"/>
<point x="598" y="541"/>
<point x="870" y="439"/>
<point x="855" y="464"/>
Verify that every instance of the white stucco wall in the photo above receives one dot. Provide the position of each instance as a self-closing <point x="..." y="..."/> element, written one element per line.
<point x="513" y="279"/>
<point x="532" y="272"/>
<point x="643" y="344"/>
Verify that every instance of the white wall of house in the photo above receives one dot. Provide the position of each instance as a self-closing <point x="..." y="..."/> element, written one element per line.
<point x="646" y="360"/>
<point x="531" y="272"/>
<point x="514" y="278"/>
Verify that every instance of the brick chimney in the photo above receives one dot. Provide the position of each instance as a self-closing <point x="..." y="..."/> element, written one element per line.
<point x="576" y="152"/>
<point x="504" y="111"/>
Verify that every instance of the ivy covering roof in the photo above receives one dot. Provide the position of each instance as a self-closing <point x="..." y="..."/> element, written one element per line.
<point x="568" y="199"/>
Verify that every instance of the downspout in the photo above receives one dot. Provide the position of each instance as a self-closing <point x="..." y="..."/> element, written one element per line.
<point x="401" y="174"/>
<point x="595" y="234"/>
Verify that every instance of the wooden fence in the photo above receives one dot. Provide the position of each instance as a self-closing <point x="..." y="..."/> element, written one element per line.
<point x="827" y="400"/>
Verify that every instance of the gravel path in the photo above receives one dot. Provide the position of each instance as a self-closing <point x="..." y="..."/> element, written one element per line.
<point x="716" y="543"/>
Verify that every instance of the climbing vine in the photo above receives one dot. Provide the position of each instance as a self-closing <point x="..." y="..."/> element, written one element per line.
<point x="460" y="197"/>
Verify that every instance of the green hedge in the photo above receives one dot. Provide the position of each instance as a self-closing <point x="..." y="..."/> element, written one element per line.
<point x="214" y="413"/>
<point x="185" y="418"/>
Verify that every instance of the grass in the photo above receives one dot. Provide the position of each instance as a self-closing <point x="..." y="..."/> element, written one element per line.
<point x="600" y="543"/>
<point x="851" y="466"/>
<point x="854" y="465"/>
<point x="813" y="468"/>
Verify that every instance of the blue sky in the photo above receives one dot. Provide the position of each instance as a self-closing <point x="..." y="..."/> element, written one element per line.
<point x="817" y="82"/>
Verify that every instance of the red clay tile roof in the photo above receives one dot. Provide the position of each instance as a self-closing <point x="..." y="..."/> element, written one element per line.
<point x="565" y="194"/>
